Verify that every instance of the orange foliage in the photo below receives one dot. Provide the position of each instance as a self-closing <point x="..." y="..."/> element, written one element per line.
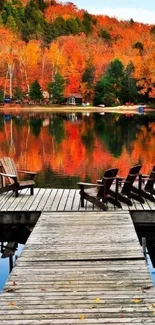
<point x="22" y="63"/>
<point x="64" y="10"/>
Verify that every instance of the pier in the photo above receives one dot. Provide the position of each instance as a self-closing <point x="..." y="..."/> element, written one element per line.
<point x="57" y="200"/>
<point x="79" y="266"/>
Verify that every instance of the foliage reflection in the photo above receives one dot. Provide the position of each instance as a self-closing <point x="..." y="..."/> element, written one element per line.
<point x="64" y="148"/>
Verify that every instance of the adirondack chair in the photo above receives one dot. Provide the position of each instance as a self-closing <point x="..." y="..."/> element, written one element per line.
<point x="145" y="186"/>
<point x="9" y="177"/>
<point x="126" y="190"/>
<point x="98" y="194"/>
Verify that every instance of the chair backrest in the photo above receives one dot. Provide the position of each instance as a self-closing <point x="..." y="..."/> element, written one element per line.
<point x="151" y="180"/>
<point x="130" y="179"/>
<point x="107" y="180"/>
<point x="9" y="168"/>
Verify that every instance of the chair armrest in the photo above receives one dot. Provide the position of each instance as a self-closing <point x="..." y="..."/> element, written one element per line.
<point x="32" y="174"/>
<point x="26" y="172"/>
<point x="89" y="184"/>
<point x="145" y="176"/>
<point x="116" y="178"/>
<point x="2" y="175"/>
<point x="8" y="175"/>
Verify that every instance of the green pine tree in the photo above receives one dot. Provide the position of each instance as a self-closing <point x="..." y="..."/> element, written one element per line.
<point x="35" y="91"/>
<point x="56" y="88"/>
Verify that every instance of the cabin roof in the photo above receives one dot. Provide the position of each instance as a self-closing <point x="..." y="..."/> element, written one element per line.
<point x="76" y="95"/>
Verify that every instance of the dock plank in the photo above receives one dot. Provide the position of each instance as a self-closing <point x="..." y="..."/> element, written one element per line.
<point x="43" y="200"/>
<point x="76" y="201"/>
<point x="37" y="200"/>
<point x="16" y="202"/>
<point x="80" y="267"/>
<point x="63" y="200"/>
<point x="59" y="199"/>
<point x="50" y="200"/>
<point x="69" y="200"/>
<point x="29" y="202"/>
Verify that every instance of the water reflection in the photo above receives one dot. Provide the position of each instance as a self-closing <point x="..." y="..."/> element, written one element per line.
<point x="148" y="232"/>
<point x="65" y="148"/>
<point x="12" y="240"/>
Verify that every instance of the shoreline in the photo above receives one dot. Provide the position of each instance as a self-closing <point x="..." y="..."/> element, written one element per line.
<point x="74" y="109"/>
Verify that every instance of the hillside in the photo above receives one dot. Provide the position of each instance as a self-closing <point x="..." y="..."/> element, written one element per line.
<point x="42" y="38"/>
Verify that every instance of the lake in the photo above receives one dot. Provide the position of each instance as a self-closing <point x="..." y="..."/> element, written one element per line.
<point x="68" y="147"/>
<point x="12" y="240"/>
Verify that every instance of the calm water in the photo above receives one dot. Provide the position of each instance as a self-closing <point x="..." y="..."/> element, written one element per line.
<point x="66" y="148"/>
<point x="12" y="240"/>
<point x="148" y="232"/>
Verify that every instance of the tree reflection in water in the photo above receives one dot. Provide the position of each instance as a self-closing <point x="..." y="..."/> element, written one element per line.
<point x="63" y="149"/>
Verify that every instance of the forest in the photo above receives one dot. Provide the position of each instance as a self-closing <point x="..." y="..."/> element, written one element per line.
<point x="55" y="47"/>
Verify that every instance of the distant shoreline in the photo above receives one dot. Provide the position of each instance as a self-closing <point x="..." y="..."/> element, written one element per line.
<point x="72" y="109"/>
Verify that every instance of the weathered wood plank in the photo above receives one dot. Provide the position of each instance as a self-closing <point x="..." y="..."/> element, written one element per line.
<point x="17" y="201"/>
<point x="76" y="202"/>
<point x="12" y="200"/>
<point x="3" y="198"/>
<point x="30" y="201"/>
<point x="69" y="201"/>
<point x="24" y="199"/>
<point x="50" y="200"/>
<point x="37" y="200"/>
<point x="56" y="200"/>
<point x="43" y="200"/>
<point x="63" y="200"/>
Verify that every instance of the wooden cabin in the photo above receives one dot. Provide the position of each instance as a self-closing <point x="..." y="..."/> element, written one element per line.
<point x="74" y="99"/>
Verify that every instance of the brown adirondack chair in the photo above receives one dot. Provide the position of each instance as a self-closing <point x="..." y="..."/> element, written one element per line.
<point x="10" y="180"/>
<point x="98" y="194"/>
<point x="145" y="186"/>
<point x="126" y="190"/>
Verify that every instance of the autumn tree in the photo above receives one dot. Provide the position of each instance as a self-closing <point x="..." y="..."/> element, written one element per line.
<point x="42" y="37"/>
<point x="56" y="88"/>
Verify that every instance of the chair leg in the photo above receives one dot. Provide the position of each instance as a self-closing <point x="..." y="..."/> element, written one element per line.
<point x="120" y="197"/>
<point x="82" y="201"/>
<point x="31" y="190"/>
<point x="114" y="201"/>
<point x="16" y="192"/>
<point x="82" y="198"/>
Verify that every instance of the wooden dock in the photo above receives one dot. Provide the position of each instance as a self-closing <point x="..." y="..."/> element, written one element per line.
<point x="57" y="200"/>
<point x="80" y="268"/>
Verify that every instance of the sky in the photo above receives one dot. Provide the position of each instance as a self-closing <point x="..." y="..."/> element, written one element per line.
<point x="139" y="10"/>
